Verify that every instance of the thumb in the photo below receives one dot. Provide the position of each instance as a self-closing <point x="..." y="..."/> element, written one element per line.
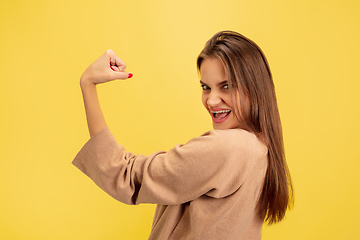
<point x="121" y="75"/>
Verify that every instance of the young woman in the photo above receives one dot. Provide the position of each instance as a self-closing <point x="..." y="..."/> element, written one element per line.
<point x="221" y="185"/>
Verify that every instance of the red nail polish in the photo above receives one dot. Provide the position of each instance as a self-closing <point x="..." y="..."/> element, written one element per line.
<point x="130" y="75"/>
<point x="112" y="68"/>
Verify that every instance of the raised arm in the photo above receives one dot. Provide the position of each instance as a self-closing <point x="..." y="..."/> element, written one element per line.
<point x="106" y="68"/>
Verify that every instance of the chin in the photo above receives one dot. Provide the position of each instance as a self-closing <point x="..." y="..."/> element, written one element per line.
<point x="223" y="126"/>
<point x="218" y="126"/>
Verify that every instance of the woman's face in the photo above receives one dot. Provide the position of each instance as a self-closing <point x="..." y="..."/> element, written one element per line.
<point x="216" y="95"/>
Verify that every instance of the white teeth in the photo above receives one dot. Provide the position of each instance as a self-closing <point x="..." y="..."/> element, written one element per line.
<point x="222" y="111"/>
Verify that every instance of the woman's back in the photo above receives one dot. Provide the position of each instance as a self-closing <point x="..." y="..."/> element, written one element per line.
<point x="205" y="189"/>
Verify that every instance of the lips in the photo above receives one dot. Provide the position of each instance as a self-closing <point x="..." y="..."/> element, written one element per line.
<point x="219" y="115"/>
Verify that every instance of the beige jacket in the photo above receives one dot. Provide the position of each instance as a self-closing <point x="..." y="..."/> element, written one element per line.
<point x="205" y="189"/>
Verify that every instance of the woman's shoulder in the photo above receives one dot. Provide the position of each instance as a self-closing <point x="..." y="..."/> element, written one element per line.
<point x="230" y="141"/>
<point x="226" y="133"/>
<point x="238" y="136"/>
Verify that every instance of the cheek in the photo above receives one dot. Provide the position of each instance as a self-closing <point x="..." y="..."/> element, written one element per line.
<point x="227" y="99"/>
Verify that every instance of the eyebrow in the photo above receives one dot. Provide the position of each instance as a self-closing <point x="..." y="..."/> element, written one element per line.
<point x="219" y="84"/>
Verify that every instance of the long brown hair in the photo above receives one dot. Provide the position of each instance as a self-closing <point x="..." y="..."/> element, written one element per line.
<point x="249" y="73"/>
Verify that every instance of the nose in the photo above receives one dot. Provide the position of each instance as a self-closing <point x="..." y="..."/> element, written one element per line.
<point x="214" y="99"/>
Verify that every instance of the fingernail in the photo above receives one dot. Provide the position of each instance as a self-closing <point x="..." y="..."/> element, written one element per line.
<point x="112" y="68"/>
<point x="130" y="75"/>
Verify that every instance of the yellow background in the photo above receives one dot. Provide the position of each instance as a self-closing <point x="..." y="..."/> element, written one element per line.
<point x="313" y="51"/>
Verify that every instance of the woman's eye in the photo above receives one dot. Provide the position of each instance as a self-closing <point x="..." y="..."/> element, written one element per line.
<point x="204" y="87"/>
<point x="226" y="86"/>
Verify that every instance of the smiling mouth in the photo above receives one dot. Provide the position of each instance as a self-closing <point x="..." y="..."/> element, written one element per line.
<point x="220" y="114"/>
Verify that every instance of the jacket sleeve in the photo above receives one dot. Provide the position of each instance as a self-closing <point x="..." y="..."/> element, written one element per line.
<point x="214" y="164"/>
